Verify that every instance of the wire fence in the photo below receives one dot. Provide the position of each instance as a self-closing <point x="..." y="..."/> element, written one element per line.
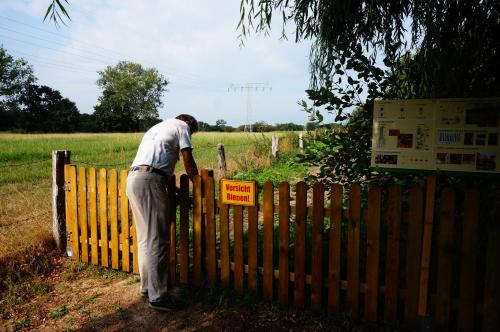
<point x="33" y="188"/>
<point x="76" y="161"/>
<point x="31" y="162"/>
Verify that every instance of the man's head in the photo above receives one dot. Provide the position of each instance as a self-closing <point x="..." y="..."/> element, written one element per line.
<point x="190" y="120"/>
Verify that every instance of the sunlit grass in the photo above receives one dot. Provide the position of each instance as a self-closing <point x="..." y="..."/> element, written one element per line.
<point x="27" y="158"/>
<point x="26" y="170"/>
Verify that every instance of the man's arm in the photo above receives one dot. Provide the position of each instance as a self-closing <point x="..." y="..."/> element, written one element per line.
<point x="189" y="163"/>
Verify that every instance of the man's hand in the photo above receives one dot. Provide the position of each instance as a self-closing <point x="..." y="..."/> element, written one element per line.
<point x="189" y="163"/>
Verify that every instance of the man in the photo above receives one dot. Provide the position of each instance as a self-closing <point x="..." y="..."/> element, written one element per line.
<point x="147" y="192"/>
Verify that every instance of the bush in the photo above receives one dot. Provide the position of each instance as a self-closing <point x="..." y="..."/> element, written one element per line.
<point x="343" y="152"/>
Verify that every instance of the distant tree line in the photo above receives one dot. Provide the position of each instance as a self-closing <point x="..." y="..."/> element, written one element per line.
<point x="130" y="99"/>
<point x="26" y="106"/>
<point x="260" y="126"/>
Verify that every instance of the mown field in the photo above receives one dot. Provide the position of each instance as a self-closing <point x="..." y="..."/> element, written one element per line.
<point x="26" y="171"/>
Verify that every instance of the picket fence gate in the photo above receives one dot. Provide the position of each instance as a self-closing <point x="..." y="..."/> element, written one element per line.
<point x="363" y="260"/>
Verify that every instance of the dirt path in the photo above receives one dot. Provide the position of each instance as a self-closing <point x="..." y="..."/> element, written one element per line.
<point x="82" y="298"/>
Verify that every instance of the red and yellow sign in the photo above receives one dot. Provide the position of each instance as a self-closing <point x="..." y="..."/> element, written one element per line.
<point x="237" y="192"/>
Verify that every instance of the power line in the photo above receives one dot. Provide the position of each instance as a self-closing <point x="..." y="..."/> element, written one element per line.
<point x="56" y="66"/>
<point x="94" y="164"/>
<point x="187" y="77"/>
<point x="26" y="163"/>
<point x="54" y="49"/>
<point x="249" y="88"/>
<point x="57" y="34"/>
<point x="57" y="43"/>
<point x="49" y="61"/>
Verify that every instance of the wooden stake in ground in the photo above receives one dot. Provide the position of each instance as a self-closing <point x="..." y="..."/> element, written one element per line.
<point x="222" y="161"/>
<point x="59" y="159"/>
<point x="274" y="146"/>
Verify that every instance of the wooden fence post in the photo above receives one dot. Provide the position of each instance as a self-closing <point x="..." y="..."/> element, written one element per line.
<point x="222" y="161"/>
<point x="59" y="159"/>
<point x="301" y="142"/>
<point x="274" y="146"/>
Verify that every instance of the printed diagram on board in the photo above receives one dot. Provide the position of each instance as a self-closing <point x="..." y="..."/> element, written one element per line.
<point x="422" y="137"/>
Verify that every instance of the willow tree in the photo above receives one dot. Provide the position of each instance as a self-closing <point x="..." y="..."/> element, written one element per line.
<point x="393" y="48"/>
<point x="363" y="50"/>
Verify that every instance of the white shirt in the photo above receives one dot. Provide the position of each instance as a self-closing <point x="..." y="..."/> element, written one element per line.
<point x="161" y="144"/>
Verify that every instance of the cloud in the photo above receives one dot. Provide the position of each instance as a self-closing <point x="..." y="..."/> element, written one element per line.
<point x="193" y="43"/>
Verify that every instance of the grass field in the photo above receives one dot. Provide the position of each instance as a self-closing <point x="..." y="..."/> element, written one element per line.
<point x="26" y="171"/>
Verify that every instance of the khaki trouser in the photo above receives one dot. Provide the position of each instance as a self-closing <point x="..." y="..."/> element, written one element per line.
<point x="148" y="196"/>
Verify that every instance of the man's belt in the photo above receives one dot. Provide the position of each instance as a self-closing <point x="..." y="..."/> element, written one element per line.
<point x="147" y="168"/>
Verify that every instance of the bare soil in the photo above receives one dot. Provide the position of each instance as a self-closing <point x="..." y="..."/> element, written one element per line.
<point x="77" y="297"/>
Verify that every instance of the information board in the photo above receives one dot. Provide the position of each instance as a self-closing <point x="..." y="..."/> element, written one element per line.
<point x="441" y="134"/>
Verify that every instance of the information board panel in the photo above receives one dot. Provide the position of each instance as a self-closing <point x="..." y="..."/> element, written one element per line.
<point x="441" y="135"/>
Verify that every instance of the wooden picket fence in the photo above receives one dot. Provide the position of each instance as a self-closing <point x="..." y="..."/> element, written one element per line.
<point x="308" y="250"/>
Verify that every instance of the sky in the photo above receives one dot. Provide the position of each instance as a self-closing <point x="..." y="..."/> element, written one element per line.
<point x="193" y="43"/>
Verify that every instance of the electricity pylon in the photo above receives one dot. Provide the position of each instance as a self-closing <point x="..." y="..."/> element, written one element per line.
<point x="249" y="87"/>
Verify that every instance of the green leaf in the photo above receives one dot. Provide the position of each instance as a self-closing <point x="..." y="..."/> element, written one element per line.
<point x="48" y="11"/>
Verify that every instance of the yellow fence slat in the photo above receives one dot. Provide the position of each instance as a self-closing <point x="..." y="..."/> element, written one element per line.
<point x="125" y="222"/>
<point x="82" y="196"/>
<point x="67" y="205"/>
<point x="103" y="216"/>
<point x="73" y="194"/>
<point x="94" y="232"/>
<point x="113" y="216"/>
<point x="135" y="248"/>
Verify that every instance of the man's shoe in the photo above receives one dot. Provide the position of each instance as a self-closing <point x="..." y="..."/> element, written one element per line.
<point x="144" y="294"/>
<point x="167" y="304"/>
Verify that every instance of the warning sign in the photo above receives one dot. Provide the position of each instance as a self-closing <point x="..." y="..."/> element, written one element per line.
<point x="437" y="134"/>
<point x="235" y="192"/>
